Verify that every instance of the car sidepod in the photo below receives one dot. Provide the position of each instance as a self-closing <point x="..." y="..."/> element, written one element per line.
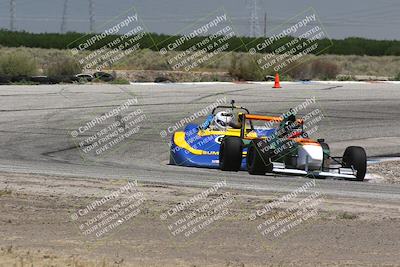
<point x="189" y="148"/>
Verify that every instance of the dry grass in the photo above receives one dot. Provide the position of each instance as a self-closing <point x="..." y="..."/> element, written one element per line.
<point x="17" y="63"/>
<point x="346" y="216"/>
<point x="5" y="192"/>
<point x="63" y="66"/>
<point x="241" y="65"/>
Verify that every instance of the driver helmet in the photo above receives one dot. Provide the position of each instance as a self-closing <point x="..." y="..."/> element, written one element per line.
<point x="223" y="119"/>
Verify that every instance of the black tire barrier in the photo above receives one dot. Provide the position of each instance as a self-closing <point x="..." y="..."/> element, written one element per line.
<point x="4" y="80"/>
<point x="40" y="79"/>
<point x="103" y="76"/>
<point x="162" y="80"/>
<point x="20" y="78"/>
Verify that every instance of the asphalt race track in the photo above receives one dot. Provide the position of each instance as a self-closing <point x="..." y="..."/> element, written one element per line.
<point x="37" y="121"/>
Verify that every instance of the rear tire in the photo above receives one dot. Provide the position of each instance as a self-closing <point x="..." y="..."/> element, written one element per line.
<point x="258" y="158"/>
<point x="355" y="157"/>
<point x="230" y="153"/>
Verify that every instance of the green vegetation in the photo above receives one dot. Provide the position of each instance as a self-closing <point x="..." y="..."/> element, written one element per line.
<point x="348" y="46"/>
<point x="63" y="66"/>
<point x="23" y="82"/>
<point x="5" y="192"/>
<point x="245" y="68"/>
<point x="17" y="63"/>
<point x="347" y="216"/>
<point x="240" y="66"/>
<point x="345" y="78"/>
<point x="120" y="81"/>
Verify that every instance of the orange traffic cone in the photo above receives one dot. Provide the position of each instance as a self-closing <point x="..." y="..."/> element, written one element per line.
<point x="277" y="82"/>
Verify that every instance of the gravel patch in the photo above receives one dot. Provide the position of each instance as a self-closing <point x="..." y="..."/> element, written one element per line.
<point x="389" y="171"/>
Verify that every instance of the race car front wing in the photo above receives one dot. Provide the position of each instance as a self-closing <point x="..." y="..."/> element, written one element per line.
<point x="336" y="171"/>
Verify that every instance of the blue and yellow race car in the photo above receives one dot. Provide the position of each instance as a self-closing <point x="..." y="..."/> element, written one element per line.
<point x="232" y="139"/>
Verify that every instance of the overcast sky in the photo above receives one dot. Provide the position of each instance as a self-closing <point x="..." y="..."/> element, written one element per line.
<point x="378" y="19"/>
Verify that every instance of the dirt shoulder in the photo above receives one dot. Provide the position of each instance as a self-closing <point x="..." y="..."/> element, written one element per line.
<point x="387" y="172"/>
<point x="43" y="223"/>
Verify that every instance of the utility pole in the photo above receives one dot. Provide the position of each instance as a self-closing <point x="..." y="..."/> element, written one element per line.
<point x="254" y="22"/>
<point x="91" y="15"/>
<point x="12" y="14"/>
<point x="64" y="17"/>
<point x="265" y="24"/>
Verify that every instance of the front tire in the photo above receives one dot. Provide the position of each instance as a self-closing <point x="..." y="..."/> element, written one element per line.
<point x="230" y="154"/>
<point x="356" y="158"/>
<point x="258" y="158"/>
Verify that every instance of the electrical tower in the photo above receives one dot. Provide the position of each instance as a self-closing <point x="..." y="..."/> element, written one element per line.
<point x="12" y="14"/>
<point x="91" y="15"/>
<point x="254" y="21"/>
<point x="64" y="17"/>
<point x="265" y="24"/>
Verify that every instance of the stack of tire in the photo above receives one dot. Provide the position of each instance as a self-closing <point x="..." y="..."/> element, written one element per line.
<point x="102" y="76"/>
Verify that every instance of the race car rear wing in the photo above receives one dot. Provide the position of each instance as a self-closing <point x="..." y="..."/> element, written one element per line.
<point x="232" y="106"/>
<point x="267" y="118"/>
<point x="253" y="117"/>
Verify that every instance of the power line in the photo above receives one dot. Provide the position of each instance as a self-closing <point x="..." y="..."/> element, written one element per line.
<point x="12" y="14"/>
<point x="64" y="17"/>
<point x="91" y="15"/>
